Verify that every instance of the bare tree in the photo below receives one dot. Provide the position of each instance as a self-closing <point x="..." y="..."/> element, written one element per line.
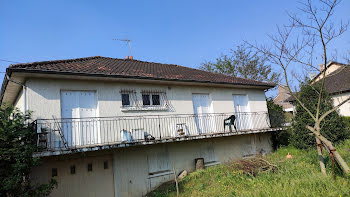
<point x="300" y="43"/>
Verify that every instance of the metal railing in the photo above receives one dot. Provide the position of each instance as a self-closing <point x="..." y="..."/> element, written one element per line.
<point x="57" y="134"/>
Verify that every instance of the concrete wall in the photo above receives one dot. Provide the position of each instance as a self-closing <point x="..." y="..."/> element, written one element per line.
<point x="19" y="103"/>
<point x="344" y="110"/>
<point x="98" y="182"/>
<point x="44" y="97"/>
<point x="140" y="169"/>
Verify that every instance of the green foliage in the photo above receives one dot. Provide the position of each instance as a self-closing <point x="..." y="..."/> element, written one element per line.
<point x="277" y="119"/>
<point x="17" y="145"/>
<point x="245" y="63"/>
<point x="347" y="123"/>
<point x="299" y="176"/>
<point x="276" y="114"/>
<point x="332" y="127"/>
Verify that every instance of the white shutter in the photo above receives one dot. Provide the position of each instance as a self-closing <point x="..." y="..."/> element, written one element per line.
<point x="201" y="106"/>
<point x="79" y="104"/>
<point x="243" y="117"/>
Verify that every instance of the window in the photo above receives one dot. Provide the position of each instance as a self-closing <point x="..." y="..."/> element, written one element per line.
<point x="72" y="169"/>
<point x="89" y="167"/>
<point x="125" y="99"/>
<point x="207" y="152"/>
<point x="151" y="99"/>
<point x="146" y="99"/>
<point x="54" y="172"/>
<point x="129" y="98"/>
<point x="155" y="99"/>
<point x="105" y="165"/>
<point x="158" y="162"/>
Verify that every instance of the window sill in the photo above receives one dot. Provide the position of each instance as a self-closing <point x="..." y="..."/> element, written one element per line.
<point x="158" y="174"/>
<point x="212" y="163"/>
<point x="151" y="108"/>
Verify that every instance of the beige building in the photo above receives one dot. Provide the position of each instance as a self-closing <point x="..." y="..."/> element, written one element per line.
<point x="337" y="84"/>
<point x="283" y="99"/>
<point x="120" y="127"/>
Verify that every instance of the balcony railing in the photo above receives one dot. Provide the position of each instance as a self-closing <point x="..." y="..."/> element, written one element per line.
<point x="58" y="134"/>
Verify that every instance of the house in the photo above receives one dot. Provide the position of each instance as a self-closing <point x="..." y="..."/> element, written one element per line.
<point x="120" y="127"/>
<point x="283" y="99"/>
<point x="337" y="84"/>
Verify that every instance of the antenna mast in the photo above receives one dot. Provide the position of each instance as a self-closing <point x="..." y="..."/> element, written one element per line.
<point x="125" y="40"/>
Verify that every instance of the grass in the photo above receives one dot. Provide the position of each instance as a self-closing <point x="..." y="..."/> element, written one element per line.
<point x="299" y="176"/>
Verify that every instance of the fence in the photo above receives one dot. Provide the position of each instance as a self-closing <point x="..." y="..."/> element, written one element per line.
<point x="55" y="134"/>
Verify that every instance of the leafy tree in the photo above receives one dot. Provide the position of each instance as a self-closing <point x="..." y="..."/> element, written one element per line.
<point x="308" y="37"/>
<point x="245" y="63"/>
<point x="276" y="113"/>
<point x="333" y="127"/>
<point x="277" y="119"/>
<point x="17" y="145"/>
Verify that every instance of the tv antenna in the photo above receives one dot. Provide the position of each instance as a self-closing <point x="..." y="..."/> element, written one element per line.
<point x="125" y="40"/>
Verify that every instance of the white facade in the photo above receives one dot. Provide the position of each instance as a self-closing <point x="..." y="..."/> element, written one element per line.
<point x="134" y="171"/>
<point x="43" y="97"/>
<point x="344" y="109"/>
<point x="334" y="68"/>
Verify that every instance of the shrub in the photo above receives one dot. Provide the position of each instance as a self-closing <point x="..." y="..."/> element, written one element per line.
<point x="277" y="119"/>
<point x="17" y="145"/>
<point x="332" y="127"/>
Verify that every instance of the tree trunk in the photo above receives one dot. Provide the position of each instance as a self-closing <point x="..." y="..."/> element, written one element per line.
<point x="320" y="156"/>
<point x="330" y="146"/>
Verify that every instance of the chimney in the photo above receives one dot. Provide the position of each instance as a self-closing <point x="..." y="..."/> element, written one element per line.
<point x="321" y="67"/>
<point x="127" y="57"/>
<point x="282" y="89"/>
<point x="131" y="57"/>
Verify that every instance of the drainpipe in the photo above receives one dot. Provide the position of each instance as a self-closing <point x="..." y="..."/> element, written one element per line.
<point x="24" y="99"/>
<point x="24" y="93"/>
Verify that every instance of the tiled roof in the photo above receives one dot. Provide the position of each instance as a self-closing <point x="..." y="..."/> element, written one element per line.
<point x="338" y="81"/>
<point x="127" y="68"/>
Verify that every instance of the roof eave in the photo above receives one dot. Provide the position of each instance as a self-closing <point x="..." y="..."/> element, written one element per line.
<point x="265" y="86"/>
<point x="4" y="85"/>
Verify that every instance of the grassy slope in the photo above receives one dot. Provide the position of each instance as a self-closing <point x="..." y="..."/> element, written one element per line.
<point x="299" y="176"/>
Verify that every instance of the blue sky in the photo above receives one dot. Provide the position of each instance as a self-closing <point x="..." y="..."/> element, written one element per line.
<point x="177" y="32"/>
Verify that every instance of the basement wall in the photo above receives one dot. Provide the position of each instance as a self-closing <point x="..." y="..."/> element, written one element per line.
<point x="135" y="171"/>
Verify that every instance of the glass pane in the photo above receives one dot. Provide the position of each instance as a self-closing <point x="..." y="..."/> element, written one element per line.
<point x="155" y="99"/>
<point x="125" y="99"/>
<point x="146" y="99"/>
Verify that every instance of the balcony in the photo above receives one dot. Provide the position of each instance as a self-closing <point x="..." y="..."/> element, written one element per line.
<point x="57" y="135"/>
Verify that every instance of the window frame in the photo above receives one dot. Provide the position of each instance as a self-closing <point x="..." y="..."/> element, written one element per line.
<point x="150" y="98"/>
<point x="128" y="94"/>
<point x="132" y="98"/>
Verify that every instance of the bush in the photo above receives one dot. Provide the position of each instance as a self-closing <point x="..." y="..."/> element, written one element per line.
<point x="276" y="114"/>
<point x="332" y="127"/>
<point x="277" y="119"/>
<point x="347" y="122"/>
<point x="17" y="145"/>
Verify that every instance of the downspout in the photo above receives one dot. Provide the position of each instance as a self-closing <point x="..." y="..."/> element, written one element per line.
<point x="24" y="88"/>
<point x="24" y="98"/>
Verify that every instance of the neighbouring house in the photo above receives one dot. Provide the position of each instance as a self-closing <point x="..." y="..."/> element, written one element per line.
<point x="283" y="99"/>
<point x="119" y="127"/>
<point x="337" y="84"/>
